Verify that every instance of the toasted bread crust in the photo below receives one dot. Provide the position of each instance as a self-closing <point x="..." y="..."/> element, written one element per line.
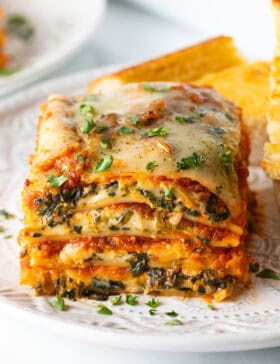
<point x="184" y="65"/>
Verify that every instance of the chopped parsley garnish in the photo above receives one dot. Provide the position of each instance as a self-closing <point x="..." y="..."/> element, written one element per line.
<point x="79" y="158"/>
<point x="125" y="217"/>
<point x="152" y="311"/>
<point x="20" y="26"/>
<point x="105" y="143"/>
<point x="229" y="117"/>
<point x="77" y="229"/>
<point x="169" y="192"/>
<point x="57" y="181"/>
<point x="103" y="310"/>
<point x="87" y="109"/>
<point x="184" y="119"/>
<point x="131" y="300"/>
<point x="88" y="125"/>
<point x="150" y="88"/>
<point x="58" y="304"/>
<point x="211" y="307"/>
<point x="161" y="131"/>
<point x="173" y="322"/>
<point x="267" y="273"/>
<point x="8" y="71"/>
<point x="254" y="267"/>
<point x="8" y="237"/>
<point x="104" y="164"/>
<point x="101" y="128"/>
<point x="153" y="303"/>
<point x="151" y="166"/>
<point x="116" y="300"/>
<point x="134" y="120"/>
<point x="218" y="132"/>
<point x="7" y="215"/>
<point x="219" y="190"/>
<point x="226" y="159"/>
<point x="172" y="313"/>
<point x="36" y="235"/>
<point x="125" y="130"/>
<point x="194" y="161"/>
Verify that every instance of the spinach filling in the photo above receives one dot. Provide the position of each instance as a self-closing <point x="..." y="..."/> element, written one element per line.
<point x="215" y="210"/>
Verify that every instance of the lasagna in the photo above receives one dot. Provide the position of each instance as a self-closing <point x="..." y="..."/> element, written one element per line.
<point x="140" y="189"/>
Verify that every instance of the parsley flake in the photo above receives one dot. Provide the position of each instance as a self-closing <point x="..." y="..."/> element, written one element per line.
<point x="150" y="88"/>
<point x="7" y="215"/>
<point x="57" y="181"/>
<point x="134" y="120"/>
<point x="184" y="119"/>
<point x="229" y="117"/>
<point x="172" y="313"/>
<point x="211" y="307"/>
<point x="79" y="158"/>
<point x="104" y="164"/>
<point x="131" y="300"/>
<point x="116" y="300"/>
<point x="87" y="109"/>
<point x="152" y="311"/>
<point x="125" y="130"/>
<point x="267" y="273"/>
<point x="153" y="303"/>
<point x="194" y="161"/>
<point x="226" y="159"/>
<point x="173" y="322"/>
<point x="20" y="26"/>
<point x="218" y="132"/>
<point x="88" y="125"/>
<point x="58" y="304"/>
<point x="101" y="128"/>
<point x="254" y="267"/>
<point x="105" y="143"/>
<point x="151" y="166"/>
<point x="161" y="131"/>
<point x="103" y="310"/>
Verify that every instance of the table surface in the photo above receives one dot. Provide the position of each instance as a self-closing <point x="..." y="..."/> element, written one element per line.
<point x="113" y="43"/>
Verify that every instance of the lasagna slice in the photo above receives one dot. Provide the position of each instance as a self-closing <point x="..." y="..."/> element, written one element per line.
<point x="140" y="189"/>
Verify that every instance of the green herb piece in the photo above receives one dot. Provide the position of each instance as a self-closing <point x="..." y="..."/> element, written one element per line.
<point x="125" y="217"/>
<point x="134" y="120"/>
<point x="172" y="313"/>
<point x="103" y="310"/>
<point x="66" y="169"/>
<point x="152" y="311"/>
<point x="226" y="159"/>
<point x="104" y="164"/>
<point x="151" y="166"/>
<point x="77" y="229"/>
<point x="205" y="241"/>
<point x="101" y="128"/>
<point x="87" y="109"/>
<point x="88" y="125"/>
<point x="20" y="26"/>
<point x="173" y="322"/>
<point x="2" y="229"/>
<point x="184" y="119"/>
<point x="161" y="131"/>
<point x="229" y="117"/>
<point x="219" y="190"/>
<point x="254" y="267"/>
<point x="131" y="300"/>
<point x="8" y="237"/>
<point x="57" y="181"/>
<point x="153" y="303"/>
<point x="105" y="143"/>
<point x="8" y="71"/>
<point x="58" y="304"/>
<point x="267" y="273"/>
<point x="169" y="192"/>
<point x="211" y="307"/>
<point x="36" y="235"/>
<point x="150" y="88"/>
<point x="114" y="228"/>
<point x="125" y="130"/>
<point x="194" y="161"/>
<point x="116" y="300"/>
<point x="7" y="215"/>
<point x="218" y="132"/>
<point x="79" y="158"/>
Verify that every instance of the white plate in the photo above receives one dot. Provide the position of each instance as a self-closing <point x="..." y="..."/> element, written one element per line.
<point x="61" y="28"/>
<point x="250" y="321"/>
